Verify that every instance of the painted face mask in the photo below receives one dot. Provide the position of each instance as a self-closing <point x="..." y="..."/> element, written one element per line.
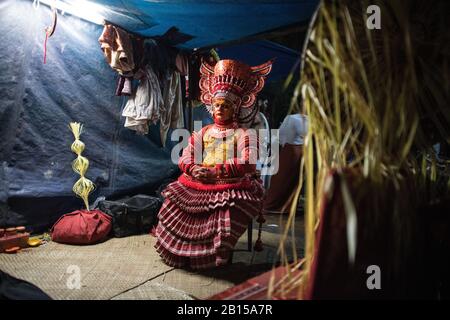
<point x="236" y="83"/>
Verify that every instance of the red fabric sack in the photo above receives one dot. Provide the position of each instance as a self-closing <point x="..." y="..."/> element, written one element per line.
<point x="82" y="227"/>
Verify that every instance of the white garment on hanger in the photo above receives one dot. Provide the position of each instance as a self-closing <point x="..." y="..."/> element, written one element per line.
<point x="171" y="112"/>
<point x="145" y="103"/>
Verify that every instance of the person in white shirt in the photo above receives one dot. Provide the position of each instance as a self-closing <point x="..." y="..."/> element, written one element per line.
<point x="282" y="188"/>
<point x="293" y="129"/>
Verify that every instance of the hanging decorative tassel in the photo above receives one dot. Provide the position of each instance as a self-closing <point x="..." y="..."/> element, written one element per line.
<point x="49" y="31"/>
<point x="45" y="48"/>
<point x="83" y="187"/>
<point x="258" y="247"/>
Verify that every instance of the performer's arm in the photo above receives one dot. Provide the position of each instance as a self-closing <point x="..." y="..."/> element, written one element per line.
<point x="194" y="148"/>
<point x="247" y="155"/>
<point x="190" y="161"/>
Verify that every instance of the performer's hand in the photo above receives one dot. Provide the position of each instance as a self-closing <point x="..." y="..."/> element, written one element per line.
<point x="196" y="172"/>
<point x="203" y="172"/>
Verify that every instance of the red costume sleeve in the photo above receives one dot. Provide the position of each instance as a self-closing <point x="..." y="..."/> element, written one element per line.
<point x="247" y="155"/>
<point x="192" y="154"/>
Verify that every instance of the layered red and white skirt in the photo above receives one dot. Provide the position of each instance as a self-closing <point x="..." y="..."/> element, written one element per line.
<point x="199" y="224"/>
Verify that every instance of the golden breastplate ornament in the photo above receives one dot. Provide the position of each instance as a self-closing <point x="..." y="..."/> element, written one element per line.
<point x="217" y="150"/>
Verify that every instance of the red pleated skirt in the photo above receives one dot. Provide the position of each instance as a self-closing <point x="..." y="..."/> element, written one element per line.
<point x="198" y="228"/>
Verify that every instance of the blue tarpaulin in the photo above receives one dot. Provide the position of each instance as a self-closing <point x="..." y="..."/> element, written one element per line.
<point x="257" y="52"/>
<point x="209" y="22"/>
<point x="37" y="101"/>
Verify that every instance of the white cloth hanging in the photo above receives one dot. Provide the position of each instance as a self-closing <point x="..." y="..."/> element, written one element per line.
<point x="171" y="112"/>
<point x="145" y="103"/>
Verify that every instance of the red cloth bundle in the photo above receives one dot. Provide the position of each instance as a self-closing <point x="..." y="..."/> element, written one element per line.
<point x="82" y="227"/>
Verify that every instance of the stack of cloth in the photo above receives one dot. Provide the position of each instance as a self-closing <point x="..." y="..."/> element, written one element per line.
<point x="158" y="97"/>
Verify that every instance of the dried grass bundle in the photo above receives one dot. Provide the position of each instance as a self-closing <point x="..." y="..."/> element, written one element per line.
<point x="377" y="101"/>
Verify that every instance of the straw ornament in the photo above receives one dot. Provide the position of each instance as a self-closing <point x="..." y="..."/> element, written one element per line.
<point x="83" y="187"/>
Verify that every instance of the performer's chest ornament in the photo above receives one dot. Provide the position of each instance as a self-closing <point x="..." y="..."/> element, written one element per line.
<point x="219" y="147"/>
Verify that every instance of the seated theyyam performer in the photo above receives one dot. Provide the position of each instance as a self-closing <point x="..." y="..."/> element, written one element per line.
<point x="210" y="205"/>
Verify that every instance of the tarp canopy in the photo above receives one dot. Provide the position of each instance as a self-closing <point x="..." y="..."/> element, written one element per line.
<point x="257" y="52"/>
<point x="203" y="22"/>
<point x="37" y="101"/>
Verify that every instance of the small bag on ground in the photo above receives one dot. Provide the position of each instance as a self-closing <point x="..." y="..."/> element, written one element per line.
<point x="134" y="215"/>
<point x="82" y="227"/>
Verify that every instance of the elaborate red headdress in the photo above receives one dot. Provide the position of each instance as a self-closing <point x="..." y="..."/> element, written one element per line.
<point x="236" y="82"/>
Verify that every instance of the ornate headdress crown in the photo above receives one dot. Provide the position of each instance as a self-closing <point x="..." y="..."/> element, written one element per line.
<point x="235" y="81"/>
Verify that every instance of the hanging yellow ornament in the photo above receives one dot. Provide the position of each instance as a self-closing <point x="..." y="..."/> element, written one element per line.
<point x="83" y="187"/>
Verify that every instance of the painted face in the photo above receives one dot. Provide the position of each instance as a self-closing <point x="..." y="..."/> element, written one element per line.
<point x="222" y="110"/>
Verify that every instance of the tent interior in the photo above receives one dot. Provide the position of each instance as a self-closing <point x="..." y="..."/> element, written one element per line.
<point x="50" y="80"/>
<point x="76" y="84"/>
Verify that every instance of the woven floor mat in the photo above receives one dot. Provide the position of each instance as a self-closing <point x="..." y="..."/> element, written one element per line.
<point x="154" y="291"/>
<point x="105" y="270"/>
